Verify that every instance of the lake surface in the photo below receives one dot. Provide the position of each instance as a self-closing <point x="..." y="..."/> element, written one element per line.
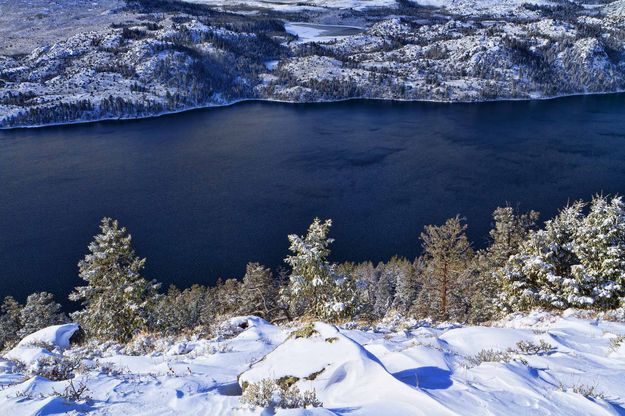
<point x="206" y="191"/>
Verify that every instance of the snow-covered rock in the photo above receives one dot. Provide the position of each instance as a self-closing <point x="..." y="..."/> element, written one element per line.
<point x="341" y="372"/>
<point x="45" y="342"/>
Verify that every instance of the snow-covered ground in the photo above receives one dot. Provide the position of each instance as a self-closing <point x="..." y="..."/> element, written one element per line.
<point x="539" y="364"/>
<point x="29" y="24"/>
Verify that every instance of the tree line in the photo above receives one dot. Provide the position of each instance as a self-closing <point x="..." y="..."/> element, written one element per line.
<point x="576" y="259"/>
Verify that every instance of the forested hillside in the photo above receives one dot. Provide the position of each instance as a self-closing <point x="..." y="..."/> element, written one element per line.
<point x="148" y="57"/>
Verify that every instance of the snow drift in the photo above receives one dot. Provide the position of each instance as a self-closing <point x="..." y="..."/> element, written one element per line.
<point x="342" y="373"/>
<point x="538" y="363"/>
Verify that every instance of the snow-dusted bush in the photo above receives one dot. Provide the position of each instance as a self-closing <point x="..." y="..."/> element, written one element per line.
<point x="616" y="342"/>
<point x="533" y="348"/>
<point x="491" y="356"/>
<point x="261" y="394"/>
<point x="585" y="390"/>
<point x="74" y="391"/>
<point x="268" y="393"/>
<point x="600" y="247"/>
<point x="147" y="344"/>
<point x="55" y="367"/>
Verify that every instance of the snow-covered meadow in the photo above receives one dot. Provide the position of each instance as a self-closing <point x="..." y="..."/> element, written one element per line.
<point x="538" y="363"/>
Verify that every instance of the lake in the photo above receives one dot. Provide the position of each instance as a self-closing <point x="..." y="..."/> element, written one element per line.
<point x="206" y="191"/>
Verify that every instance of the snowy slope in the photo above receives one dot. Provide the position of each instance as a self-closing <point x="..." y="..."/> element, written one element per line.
<point x="401" y="367"/>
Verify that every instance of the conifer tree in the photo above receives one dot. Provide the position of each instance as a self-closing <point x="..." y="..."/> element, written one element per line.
<point x="447" y="272"/>
<point x="599" y="278"/>
<point x="510" y="230"/>
<point x="315" y="289"/>
<point x="117" y="300"/>
<point x="39" y="312"/>
<point x="10" y="322"/>
<point x="228" y="296"/>
<point x="258" y="292"/>
<point x="540" y="274"/>
<point x="190" y="309"/>
<point x="407" y="284"/>
<point x="364" y="277"/>
<point x="385" y="291"/>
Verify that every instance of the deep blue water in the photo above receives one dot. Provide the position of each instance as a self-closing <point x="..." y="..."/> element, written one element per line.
<point x="206" y="191"/>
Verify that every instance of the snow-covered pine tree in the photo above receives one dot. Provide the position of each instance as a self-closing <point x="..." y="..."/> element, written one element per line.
<point x="10" y="323"/>
<point x="540" y="273"/>
<point x="600" y="248"/>
<point x="228" y="297"/>
<point x="406" y="283"/>
<point x="364" y="277"/>
<point x="315" y="289"/>
<point x="447" y="270"/>
<point x="258" y="292"/>
<point x="385" y="291"/>
<point x="39" y="312"/>
<point x="117" y="300"/>
<point x="510" y="230"/>
<point x="190" y="309"/>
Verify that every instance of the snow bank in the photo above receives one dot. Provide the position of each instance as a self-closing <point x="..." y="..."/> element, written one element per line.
<point x="42" y="343"/>
<point x="342" y="373"/>
<point x="397" y="368"/>
<point x="56" y="335"/>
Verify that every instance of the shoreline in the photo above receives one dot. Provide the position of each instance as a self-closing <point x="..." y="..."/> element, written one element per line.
<point x="268" y="100"/>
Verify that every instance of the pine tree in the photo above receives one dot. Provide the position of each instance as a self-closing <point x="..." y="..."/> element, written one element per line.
<point x="117" y="300"/>
<point x="385" y="291"/>
<point x="600" y="248"/>
<point x="510" y="230"/>
<point x="407" y="284"/>
<point x="315" y="289"/>
<point x="10" y="322"/>
<point x="364" y="277"/>
<point x="192" y="309"/>
<point x="447" y="272"/>
<point x="228" y="296"/>
<point x="541" y="273"/>
<point x="39" y="312"/>
<point x="258" y="292"/>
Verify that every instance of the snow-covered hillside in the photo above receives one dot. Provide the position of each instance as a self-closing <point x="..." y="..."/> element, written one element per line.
<point x="153" y="57"/>
<point x="539" y="364"/>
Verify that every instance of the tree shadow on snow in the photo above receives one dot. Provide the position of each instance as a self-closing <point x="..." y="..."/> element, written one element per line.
<point x="432" y="378"/>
